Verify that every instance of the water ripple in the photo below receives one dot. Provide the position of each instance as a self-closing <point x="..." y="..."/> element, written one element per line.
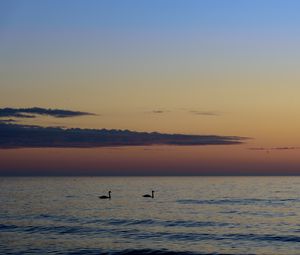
<point x="245" y="201"/>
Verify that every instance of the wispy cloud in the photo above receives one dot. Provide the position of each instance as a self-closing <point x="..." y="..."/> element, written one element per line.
<point x="7" y="121"/>
<point x="205" y="113"/>
<point x="158" y="111"/>
<point x="195" y="112"/>
<point x="34" y="111"/>
<point x="18" y="136"/>
<point x="274" y="148"/>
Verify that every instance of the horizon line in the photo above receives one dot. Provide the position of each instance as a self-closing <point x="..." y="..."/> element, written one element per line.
<point x="203" y="175"/>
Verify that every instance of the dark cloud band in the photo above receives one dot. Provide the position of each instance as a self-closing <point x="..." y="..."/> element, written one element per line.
<point x="18" y="136"/>
<point x="32" y="112"/>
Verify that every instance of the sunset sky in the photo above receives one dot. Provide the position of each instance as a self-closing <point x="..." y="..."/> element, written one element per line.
<point x="207" y="67"/>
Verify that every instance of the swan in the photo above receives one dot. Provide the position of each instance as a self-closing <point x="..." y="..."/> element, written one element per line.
<point x="147" y="195"/>
<point x="106" y="197"/>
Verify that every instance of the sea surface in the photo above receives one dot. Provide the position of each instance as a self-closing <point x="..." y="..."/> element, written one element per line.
<point x="189" y="215"/>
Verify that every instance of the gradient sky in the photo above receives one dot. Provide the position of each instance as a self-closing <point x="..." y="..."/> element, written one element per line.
<point x="223" y="67"/>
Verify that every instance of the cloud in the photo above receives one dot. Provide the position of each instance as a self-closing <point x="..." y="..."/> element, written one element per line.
<point x="158" y="111"/>
<point x="33" y="111"/>
<point x="205" y="113"/>
<point x="18" y="136"/>
<point x="274" y="148"/>
<point x="7" y="121"/>
<point x="195" y="112"/>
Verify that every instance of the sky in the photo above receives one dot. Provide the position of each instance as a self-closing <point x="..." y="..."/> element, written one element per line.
<point x="209" y="67"/>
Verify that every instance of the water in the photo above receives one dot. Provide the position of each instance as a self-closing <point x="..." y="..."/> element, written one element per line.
<point x="189" y="215"/>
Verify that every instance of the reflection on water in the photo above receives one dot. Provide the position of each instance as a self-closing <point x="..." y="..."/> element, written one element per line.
<point x="201" y="215"/>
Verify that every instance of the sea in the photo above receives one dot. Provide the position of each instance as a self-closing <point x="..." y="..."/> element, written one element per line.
<point x="188" y="215"/>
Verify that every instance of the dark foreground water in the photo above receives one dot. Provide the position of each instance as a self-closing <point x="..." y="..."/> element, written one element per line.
<point x="190" y="215"/>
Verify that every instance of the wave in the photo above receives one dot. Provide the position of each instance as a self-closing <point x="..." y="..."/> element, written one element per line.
<point x="141" y="252"/>
<point x="245" y="201"/>
<point x="137" y="234"/>
<point x="95" y="251"/>
<point x="166" y="223"/>
<point x="61" y="219"/>
<point x="48" y="229"/>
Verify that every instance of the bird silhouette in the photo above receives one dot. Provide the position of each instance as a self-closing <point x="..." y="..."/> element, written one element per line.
<point x="147" y="195"/>
<point x="106" y="197"/>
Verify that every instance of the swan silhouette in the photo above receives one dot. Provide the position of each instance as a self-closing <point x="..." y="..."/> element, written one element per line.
<point x="106" y="197"/>
<point x="147" y="195"/>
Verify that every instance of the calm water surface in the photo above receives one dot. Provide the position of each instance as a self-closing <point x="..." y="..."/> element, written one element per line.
<point x="201" y="215"/>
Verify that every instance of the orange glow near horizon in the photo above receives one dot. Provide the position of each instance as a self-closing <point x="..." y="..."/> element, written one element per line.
<point x="153" y="160"/>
